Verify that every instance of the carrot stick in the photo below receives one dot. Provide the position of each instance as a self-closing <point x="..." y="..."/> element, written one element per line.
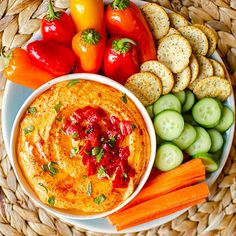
<point x="164" y="213"/>
<point x="187" y="174"/>
<point x="151" y="209"/>
<point x="152" y="192"/>
<point x="192" y="168"/>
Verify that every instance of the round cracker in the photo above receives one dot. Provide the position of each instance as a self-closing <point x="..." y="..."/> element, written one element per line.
<point x="157" y="19"/>
<point x="196" y="38"/>
<point x="214" y="86"/>
<point x="173" y="31"/>
<point x="146" y="87"/>
<point x="211" y="37"/>
<point x="217" y="68"/>
<point x="194" y="67"/>
<point x="177" y="21"/>
<point x="162" y="72"/>
<point x="174" y="51"/>
<point x="182" y="80"/>
<point x="205" y="70"/>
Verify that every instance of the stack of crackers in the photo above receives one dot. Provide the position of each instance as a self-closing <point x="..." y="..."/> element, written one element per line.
<point x="183" y="60"/>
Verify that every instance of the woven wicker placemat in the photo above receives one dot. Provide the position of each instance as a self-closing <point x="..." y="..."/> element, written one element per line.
<point x="19" y="216"/>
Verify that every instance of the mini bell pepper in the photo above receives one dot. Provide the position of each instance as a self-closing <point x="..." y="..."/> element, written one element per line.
<point x="125" y="19"/>
<point x="57" y="27"/>
<point x="89" y="46"/>
<point x="52" y="57"/>
<point x="23" y="71"/>
<point x="120" y="59"/>
<point x="87" y="14"/>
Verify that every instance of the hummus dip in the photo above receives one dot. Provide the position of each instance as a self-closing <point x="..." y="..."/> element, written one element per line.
<point x="83" y="147"/>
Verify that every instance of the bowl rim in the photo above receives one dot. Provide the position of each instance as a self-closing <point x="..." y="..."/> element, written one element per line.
<point x="90" y="77"/>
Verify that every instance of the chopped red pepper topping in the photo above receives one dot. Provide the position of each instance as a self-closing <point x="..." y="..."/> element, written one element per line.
<point x="102" y="153"/>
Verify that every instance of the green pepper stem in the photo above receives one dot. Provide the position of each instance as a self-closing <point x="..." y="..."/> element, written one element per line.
<point x="122" y="45"/>
<point x="52" y="15"/>
<point x="120" y="4"/>
<point x="91" y="36"/>
<point x="6" y="58"/>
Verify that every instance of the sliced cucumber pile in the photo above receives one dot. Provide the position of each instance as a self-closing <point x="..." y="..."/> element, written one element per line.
<point x="197" y="131"/>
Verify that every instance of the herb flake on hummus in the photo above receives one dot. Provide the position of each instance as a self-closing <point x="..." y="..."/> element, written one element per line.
<point x="100" y="199"/>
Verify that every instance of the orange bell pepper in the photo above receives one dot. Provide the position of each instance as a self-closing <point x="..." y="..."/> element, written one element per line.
<point x="21" y="70"/>
<point x="87" y="14"/>
<point x="89" y="46"/>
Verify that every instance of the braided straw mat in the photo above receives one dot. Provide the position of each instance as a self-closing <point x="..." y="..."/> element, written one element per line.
<point x="19" y="19"/>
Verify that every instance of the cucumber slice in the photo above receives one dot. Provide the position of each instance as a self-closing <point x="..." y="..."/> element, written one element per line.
<point x="168" y="157"/>
<point x="189" y="101"/>
<point x="217" y="140"/>
<point x="201" y="144"/>
<point x="169" y="125"/>
<point x="181" y="96"/>
<point x="226" y="120"/>
<point x="150" y="111"/>
<point x="167" y="102"/>
<point x="186" y="138"/>
<point x="208" y="161"/>
<point x="188" y="118"/>
<point x="207" y="112"/>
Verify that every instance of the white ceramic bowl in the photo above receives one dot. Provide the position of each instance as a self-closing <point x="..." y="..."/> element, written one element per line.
<point x="15" y="130"/>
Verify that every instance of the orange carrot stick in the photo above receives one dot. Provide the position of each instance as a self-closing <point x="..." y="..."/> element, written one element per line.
<point x="164" y="213"/>
<point x="151" y="209"/>
<point x="187" y="174"/>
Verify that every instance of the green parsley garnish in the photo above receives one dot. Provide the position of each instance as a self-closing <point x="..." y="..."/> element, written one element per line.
<point x="99" y="155"/>
<point x="42" y="185"/>
<point x="124" y="98"/>
<point x="112" y="141"/>
<point x="51" y="168"/>
<point x="73" y="152"/>
<point x="125" y="175"/>
<point x="51" y="200"/>
<point x="133" y="126"/>
<point x="32" y="110"/>
<point x="72" y="82"/>
<point x="95" y="151"/>
<point x="75" y="135"/>
<point x="28" y="129"/>
<point x="98" y="200"/>
<point x="84" y="177"/>
<point x="102" y="173"/>
<point x="58" y="107"/>
<point x="89" y="189"/>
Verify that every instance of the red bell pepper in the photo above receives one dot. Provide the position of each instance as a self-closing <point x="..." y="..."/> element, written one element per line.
<point x="120" y="59"/>
<point x="125" y="19"/>
<point x="52" y="57"/>
<point x="57" y="27"/>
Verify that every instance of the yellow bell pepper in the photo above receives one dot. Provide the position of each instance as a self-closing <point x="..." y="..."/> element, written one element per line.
<point x="87" y="14"/>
